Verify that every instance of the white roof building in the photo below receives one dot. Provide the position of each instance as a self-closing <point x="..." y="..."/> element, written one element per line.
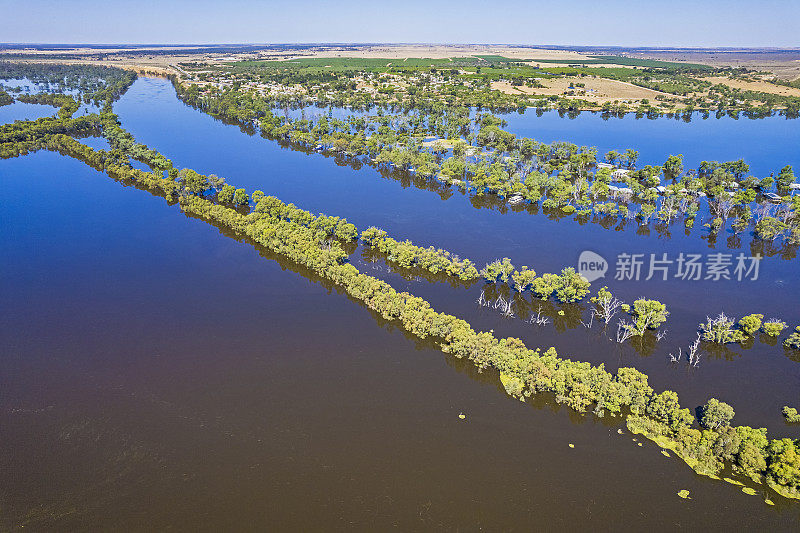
<point x="620" y="173"/>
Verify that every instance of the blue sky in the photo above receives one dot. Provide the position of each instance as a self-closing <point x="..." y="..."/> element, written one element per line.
<point x="581" y="22"/>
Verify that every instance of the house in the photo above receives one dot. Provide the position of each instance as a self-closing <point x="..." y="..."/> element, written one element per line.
<point x="620" y="173"/>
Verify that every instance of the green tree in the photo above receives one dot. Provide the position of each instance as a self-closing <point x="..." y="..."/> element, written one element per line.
<point x="630" y="157"/>
<point x="648" y="314"/>
<point x="225" y="195"/>
<point x="784" y="462"/>
<point x="193" y="182"/>
<point x="240" y="197"/>
<point x="750" y="323"/>
<point x="666" y="408"/>
<point x="786" y="177"/>
<point x="612" y="156"/>
<point x="673" y="167"/>
<point x="715" y="414"/>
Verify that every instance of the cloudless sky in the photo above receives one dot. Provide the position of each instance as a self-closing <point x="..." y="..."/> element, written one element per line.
<point x="695" y="23"/>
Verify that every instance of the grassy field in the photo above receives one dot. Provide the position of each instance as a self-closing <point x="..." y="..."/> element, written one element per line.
<point x="489" y="64"/>
<point x="497" y="59"/>
<point x="569" y="61"/>
<point x="651" y="63"/>
<point x="625" y="61"/>
<point x="343" y="64"/>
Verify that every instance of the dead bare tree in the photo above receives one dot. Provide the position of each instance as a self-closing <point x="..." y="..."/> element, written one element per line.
<point x="606" y="306"/>
<point x="504" y="306"/>
<point x="577" y="191"/>
<point x="720" y="329"/>
<point x="684" y="205"/>
<point x="692" y="355"/>
<point x="762" y="211"/>
<point x="669" y="209"/>
<point x="624" y="331"/>
<point x="785" y="212"/>
<point x="507" y="310"/>
<point x="500" y="302"/>
<point x="538" y="319"/>
<point x="482" y="300"/>
<point x="720" y="209"/>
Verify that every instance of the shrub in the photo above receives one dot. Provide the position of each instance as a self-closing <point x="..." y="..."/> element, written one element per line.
<point x="498" y="269"/>
<point x="773" y="327"/>
<point x="793" y="341"/>
<point x="721" y="330"/>
<point x="750" y="324"/>
<point x="791" y="415"/>
<point x="568" y="287"/>
<point x="572" y="286"/>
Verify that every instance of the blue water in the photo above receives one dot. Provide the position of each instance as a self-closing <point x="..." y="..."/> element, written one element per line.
<point x="765" y="144"/>
<point x="22" y="111"/>
<point x="98" y="143"/>
<point x="316" y="182"/>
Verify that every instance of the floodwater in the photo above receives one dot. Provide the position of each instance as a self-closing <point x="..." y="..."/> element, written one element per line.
<point x="25" y="111"/>
<point x="22" y="111"/>
<point x="766" y="144"/>
<point x="156" y="374"/>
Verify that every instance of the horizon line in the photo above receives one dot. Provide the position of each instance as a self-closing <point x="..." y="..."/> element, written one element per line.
<point x="401" y="43"/>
